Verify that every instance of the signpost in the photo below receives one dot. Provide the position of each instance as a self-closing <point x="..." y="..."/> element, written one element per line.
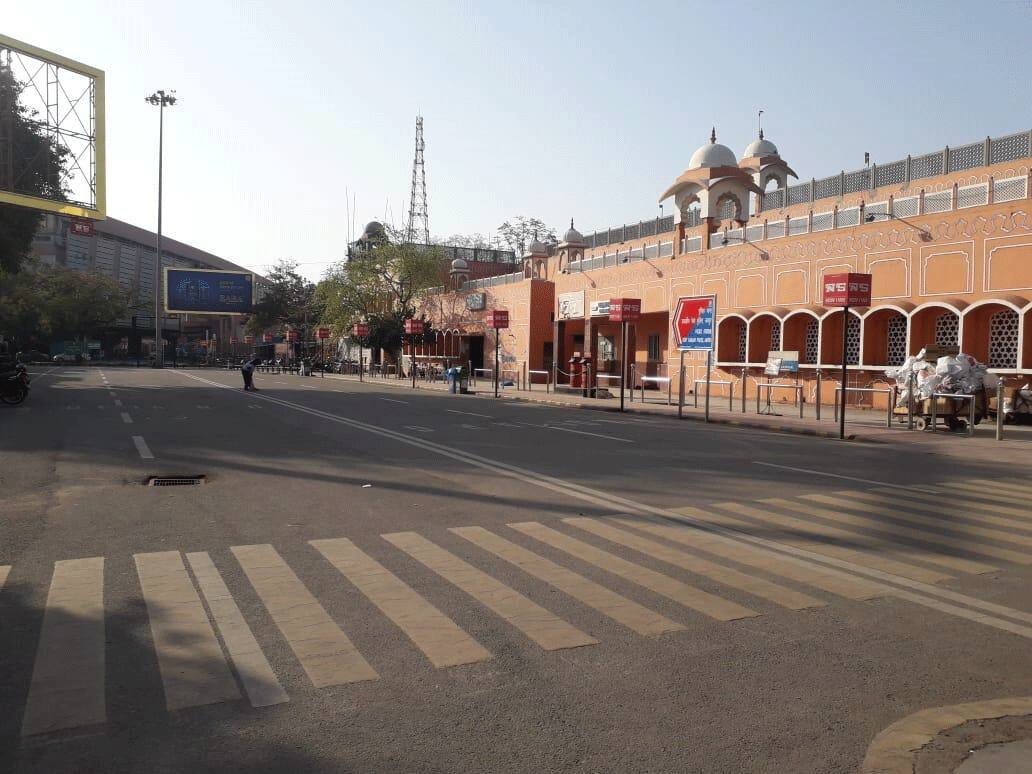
<point x="267" y="338"/>
<point x="623" y="311"/>
<point x="499" y="320"/>
<point x="694" y="324"/>
<point x="845" y="290"/>
<point x="413" y="328"/>
<point x="361" y="332"/>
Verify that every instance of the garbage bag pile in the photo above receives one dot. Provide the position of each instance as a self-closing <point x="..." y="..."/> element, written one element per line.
<point x="962" y="374"/>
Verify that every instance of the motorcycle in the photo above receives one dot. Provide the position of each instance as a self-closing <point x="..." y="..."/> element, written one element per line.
<point x="14" y="386"/>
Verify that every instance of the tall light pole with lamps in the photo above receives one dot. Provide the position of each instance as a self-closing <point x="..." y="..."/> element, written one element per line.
<point x="160" y="99"/>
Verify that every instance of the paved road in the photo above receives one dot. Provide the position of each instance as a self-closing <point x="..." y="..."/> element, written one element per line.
<point x="376" y="579"/>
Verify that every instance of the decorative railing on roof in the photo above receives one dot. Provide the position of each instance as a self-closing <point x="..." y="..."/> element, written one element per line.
<point x="625" y="233"/>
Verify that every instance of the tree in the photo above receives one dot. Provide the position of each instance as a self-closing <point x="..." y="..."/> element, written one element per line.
<point x="465" y="240"/>
<point x="519" y="231"/>
<point x="289" y="302"/>
<point x="39" y="166"/>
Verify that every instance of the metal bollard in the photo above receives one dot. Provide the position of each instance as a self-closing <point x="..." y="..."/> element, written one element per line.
<point x="817" y="398"/>
<point x="892" y="403"/>
<point x="971" y="416"/>
<point x="999" y="410"/>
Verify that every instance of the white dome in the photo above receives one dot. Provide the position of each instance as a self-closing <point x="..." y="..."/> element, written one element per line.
<point x="459" y="264"/>
<point x="536" y="247"/>
<point x="713" y="155"/>
<point x="760" y="147"/>
<point x="573" y="235"/>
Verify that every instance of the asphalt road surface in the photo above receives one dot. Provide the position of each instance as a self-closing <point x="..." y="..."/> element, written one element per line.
<point x="378" y="579"/>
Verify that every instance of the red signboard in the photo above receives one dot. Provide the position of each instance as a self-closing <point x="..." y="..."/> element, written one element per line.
<point x="248" y="339"/>
<point x="497" y="318"/>
<point x="234" y="340"/>
<point x="323" y="333"/>
<point x="267" y="337"/>
<point x="414" y="327"/>
<point x="624" y="309"/>
<point x="293" y="336"/>
<point x="81" y="227"/>
<point x="847" y="289"/>
<point x="360" y="330"/>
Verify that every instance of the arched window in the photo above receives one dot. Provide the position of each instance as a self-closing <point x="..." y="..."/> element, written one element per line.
<point x="742" y="333"/>
<point x="853" y="340"/>
<point x="813" y="329"/>
<point x="896" y="344"/>
<point x="947" y="330"/>
<point x="775" y="338"/>
<point x="1003" y="339"/>
<point x="727" y="207"/>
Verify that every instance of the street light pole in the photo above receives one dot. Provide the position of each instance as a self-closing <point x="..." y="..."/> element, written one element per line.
<point x="160" y="99"/>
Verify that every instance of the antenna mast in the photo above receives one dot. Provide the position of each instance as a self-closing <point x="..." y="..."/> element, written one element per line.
<point x="418" y="229"/>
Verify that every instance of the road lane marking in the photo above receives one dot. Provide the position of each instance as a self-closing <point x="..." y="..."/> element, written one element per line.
<point x="917" y="592"/>
<point x="469" y="413"/>
<point x="584" y="432"/>
<point x="142" y="448"/>
<point x="671" y="588"/>
<point x="193" y="669"/>
<point x="827" y="580"/>
<point x="392" y="400"/>
<point x="126" y="418"/>
<point x="260" y="683"/>
<point x="4" y="572"/>
<point x="1003" y="486"/>
<point x="419" y="428"/>
<point x="857" y="522"/>
<point x="253" y="405"/>
<point x="872" y="555"/>
<point x="547" y="630"/>
<point x="118" y="402"/>
<point x="966" y="505"/>
<point x="973" y="493"/>
<point x="834" y="475"/>
<point x="434" y="633"/>
<point x="636" y="617"/>
<point x="67" y="688"/>
<point x="794" y="600"/>
<point x="324" y="650"/>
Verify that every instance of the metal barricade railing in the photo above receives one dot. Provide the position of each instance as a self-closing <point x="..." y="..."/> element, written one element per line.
<point x="530" y="378"/>
<point x="643" y="380"/>
<point x="972" y="400"/>
<point x="890" y="391"/>
<point x="730" y="391"/>
<point x="771" y="386"/>
<point x="512" y="372"/>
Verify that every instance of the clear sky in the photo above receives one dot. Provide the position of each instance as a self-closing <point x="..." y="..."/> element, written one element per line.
<point x="555" y="110"/>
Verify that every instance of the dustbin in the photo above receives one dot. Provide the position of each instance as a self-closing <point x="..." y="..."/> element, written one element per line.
<point x="452" y="375"/>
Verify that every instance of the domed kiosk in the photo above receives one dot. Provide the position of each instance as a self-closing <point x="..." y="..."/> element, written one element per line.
<point x="763" y="162"/>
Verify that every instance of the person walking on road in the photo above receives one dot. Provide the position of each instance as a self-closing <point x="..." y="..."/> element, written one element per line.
<point x="248" y="372"/>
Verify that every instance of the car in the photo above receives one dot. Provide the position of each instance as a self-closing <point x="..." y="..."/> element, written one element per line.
<point x="63" y="357"/>
<point x="33" y="356"/>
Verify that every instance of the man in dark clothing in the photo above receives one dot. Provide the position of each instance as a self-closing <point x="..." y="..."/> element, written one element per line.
<point x="248" y="371"/>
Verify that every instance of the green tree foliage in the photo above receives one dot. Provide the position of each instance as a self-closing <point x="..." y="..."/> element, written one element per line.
<point x="519" y="231"/>
<point x="55" y="302"/>
<point x="290" y="302"/>
<point x="39" y="166"/>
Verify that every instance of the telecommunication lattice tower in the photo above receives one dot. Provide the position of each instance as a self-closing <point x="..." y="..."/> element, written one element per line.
<point x="418" y="229"/>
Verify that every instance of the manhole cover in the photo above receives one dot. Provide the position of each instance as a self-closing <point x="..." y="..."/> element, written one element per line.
<point x="175" y="480"/>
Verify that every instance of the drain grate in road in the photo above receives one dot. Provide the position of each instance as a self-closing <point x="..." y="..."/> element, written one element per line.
<point x="175" y="480"/>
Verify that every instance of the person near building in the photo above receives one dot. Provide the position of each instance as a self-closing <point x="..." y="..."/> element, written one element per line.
<point x="248" y="372"/>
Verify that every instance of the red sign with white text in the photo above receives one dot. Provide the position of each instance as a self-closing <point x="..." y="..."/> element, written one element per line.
<point x="847" y="289"/>
<point x="293" y="336"/>
<point x="267" y="337"/>
<point x="248" y="339"/>
<point x="234" y="340"/>
<point x="414" y="327"/>
<point x="323" y="333"/>
<point x="624" y="309"/>
<point x="360" y="330"/>
<point x="81" y="227"/>
<point x="498" y="318"/>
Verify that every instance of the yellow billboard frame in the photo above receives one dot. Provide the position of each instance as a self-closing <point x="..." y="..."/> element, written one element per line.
<point x="99" y="210"/>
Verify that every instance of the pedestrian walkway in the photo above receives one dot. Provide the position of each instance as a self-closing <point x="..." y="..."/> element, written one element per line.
<point x="614" y="570"/>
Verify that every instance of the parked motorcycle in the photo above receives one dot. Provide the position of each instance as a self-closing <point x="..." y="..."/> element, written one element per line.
<point x="14" y="385"/>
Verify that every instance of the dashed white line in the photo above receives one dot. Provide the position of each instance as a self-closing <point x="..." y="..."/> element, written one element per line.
<point x="469" y="413"/>
<point x="118" y="402"/>
<point x="833" y="475"/>
<point x="418" y="428"/>
<point x="142" y="448"/>
<point x="583" y="432"/>
<point x="126" y="418"/>
<point x="392" y="400"/>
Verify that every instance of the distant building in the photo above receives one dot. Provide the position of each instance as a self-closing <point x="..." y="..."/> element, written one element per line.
<point x="125" y="253"/>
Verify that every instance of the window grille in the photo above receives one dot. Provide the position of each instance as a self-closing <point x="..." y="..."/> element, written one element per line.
<point x="692" y="244"/>
<point x="616" y="235"/>
<point x="632" y="232"/>
<point x="754" y="233"/>
<point x="853" y="340"/>
<point x="727" y="210"/>
<point x="648" y="228"/>
<point x="775" y="337"/>
<point x="127" y="266"/>
<point x="847" y="217"/>
<point x="78" y="253"/>
<point x="1010" y="189"/>
<point x="829" y="186"/>
<point x="797" y="226"/>
<point x="854" y="182"/>
<point x="906" y="208"/>
<point x="928" y="165"/>
<point x="896" y="341"/>
<point x="666" y="249"/>
<point x="666" y="224"/>
<point x="972" y="195"/>
<point x="105" y="258"/>
<point x="942" y="201"/>
<point x="775" y="229"/>
<point x="693" y="219"/>
<point x="967" y="156"/>
<point x="893" y="173"/>
<point x="742" y="339"/>
<point x="823" y="221"/>
<point x="635" y="255"/>
<point x="773" y="200"/>
<point x="947" y="330"/>
<point x="877" y="208"/>
<point x="1003" y="339"/>
<point x="734" y="235"/>
<point x="715" y="240"/>
<point x="797" y="194"/>
<point x="652" y="251"/>
<point x="1008" y="148"/>
<point x="812" y="353"/>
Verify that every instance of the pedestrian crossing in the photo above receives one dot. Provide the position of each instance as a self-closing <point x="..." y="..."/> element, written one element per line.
<point x="581" y="580"/>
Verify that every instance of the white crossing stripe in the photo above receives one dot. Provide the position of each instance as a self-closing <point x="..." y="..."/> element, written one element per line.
<point x="126" y="418"/>
<point x="260" y="683"/>
<point x="547" y="630"/>
<point x="963" y="504"/>
<point x="142" y="448"/>
<point x="869" y="556"/>
<point x="1014" y="485"/>
<point x="923" y="535"/>
<point x="636" y="617"/>
<point x="193" y="668"/>
<point x="324" y="650"/>
<point x="760" y="587"/>
<point x="434" y="633"/>
<point x="947" y="517"/>
<point x="5" y="570"/>
<point x="844" y="585"/>
<point x="664" y="585"/>
<point x="67" y="689"/>
<point x="974" y="493"/>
